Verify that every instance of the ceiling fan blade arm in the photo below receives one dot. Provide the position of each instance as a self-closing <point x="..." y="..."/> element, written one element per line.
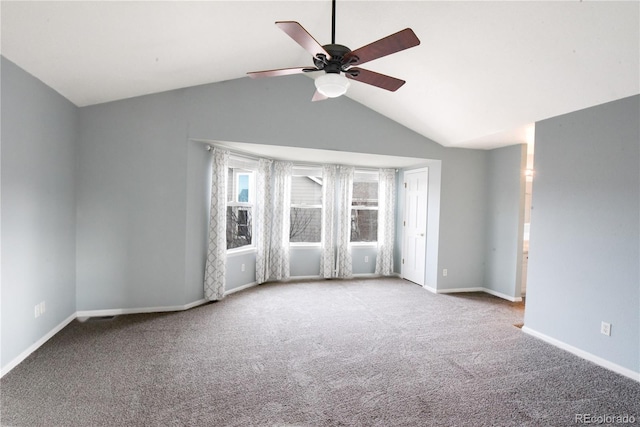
<point x="302" y="37"/>
<point x="375" y="79"/>
<point x="397" y="42"/>
<point x="318" y="97"/>
<point x="279" y="72"/>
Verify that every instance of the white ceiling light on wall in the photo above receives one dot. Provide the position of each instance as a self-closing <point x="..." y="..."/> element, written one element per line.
<point x="332" y="85"/>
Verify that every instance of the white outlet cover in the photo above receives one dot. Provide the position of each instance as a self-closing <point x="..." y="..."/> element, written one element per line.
<point x="605" y="328"/>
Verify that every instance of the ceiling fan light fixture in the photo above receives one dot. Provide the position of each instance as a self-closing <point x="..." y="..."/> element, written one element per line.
<point x="332" y="85"/>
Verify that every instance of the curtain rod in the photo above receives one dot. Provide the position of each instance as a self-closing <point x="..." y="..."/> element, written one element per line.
<point x="240" y="153"/>
<point x="236" y="153"/>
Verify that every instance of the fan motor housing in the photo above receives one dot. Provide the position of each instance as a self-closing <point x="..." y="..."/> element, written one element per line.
<point x="336" y="63"/>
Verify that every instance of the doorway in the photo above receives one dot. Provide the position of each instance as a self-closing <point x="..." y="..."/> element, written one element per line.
<point x="415" y="225"/>
<point x="529" y="172"/>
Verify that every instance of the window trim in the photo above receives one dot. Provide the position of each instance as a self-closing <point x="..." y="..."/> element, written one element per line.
<point x="305" y="244"/>
<point x="241" y="250"/>
<point x="363" y="244"/>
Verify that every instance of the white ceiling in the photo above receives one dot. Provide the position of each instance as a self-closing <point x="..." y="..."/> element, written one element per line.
<point x="483" y="72"/>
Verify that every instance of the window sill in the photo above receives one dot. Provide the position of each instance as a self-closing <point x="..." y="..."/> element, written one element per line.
<point x="241" y="251"/>
<point x="304" y="245"/>
<point x="363" y="244"/>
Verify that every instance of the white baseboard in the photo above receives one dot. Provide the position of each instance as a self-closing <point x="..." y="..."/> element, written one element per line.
<point x="118" y="311"/>
<point x="241" y="288"/>
<point x="366" y="276"/>
<point x="375" y="276"/>
<point x="455" y="290"/>
<point x="294" y="278"/>
<point x="194" y="304"/>
<point x="584" y="355"/>
<point x="318" y="277"/>
<point x="83" y="315"/>
<point x="474" y="289"/>
<point x="355" y="276"/>
<point x="36" y="345"/>
<point x="501" y="295"/>
<point x="430" y="289"/>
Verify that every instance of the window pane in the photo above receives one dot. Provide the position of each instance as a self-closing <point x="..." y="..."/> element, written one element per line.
<point x="365" y="193"/>
<point x="238" y="227"/>
<point x="239" y="184"/>
<point x="306" y="190"/>
<point x="364" y="225"/>
<point x="306" y="225"/>
<point x="243" y="188"/>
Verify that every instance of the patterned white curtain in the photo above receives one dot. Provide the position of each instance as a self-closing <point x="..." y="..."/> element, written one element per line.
<point x="263" y="219"/>
<point x="327" y="257"/>
<point x="386" y="221"/>
<point x="214" y="275"/>
<point x="281" y="208"/>
<point x="273" y="210"/>
<point x="345" y="184"/>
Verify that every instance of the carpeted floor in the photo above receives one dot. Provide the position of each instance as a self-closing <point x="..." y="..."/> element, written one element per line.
<point x="380" y="352"/>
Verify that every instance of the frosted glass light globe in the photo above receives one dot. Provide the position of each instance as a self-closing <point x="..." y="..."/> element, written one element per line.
<point x="332" y="85"/>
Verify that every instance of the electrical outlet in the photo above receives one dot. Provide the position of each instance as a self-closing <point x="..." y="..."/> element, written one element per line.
<point x="445" y="272"/>
<point x="605" y="328"/>
<point x="242" y="267"/>
<point x="366" y="258"/>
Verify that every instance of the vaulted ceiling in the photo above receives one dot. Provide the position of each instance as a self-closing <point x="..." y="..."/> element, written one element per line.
<point x="484" y="72"/>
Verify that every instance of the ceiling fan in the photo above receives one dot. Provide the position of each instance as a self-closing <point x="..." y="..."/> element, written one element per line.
<point x="339" y="62"/>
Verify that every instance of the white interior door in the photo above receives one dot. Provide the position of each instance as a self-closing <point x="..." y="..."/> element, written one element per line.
<point x="415" y="226"/>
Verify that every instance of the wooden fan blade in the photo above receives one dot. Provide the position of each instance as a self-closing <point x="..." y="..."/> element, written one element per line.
<point x="279" y="72"/>
<point x="302" y="37"/>
<point x="391" y="44"/>
<point x="318" y="97"/>
<point x="376" y="79"/>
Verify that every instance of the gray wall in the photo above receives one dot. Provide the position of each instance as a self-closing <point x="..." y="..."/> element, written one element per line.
<point x="39" y="132"/>
<point x="584" y="258"/>
<point x="198" y="201"/>
<point x="132" y="204"/>
<point x="463" y="209"/>
<point x="139" y="182"/>
<point x="504" y="220"/>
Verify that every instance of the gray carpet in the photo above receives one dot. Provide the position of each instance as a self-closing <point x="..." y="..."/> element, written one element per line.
<point x="380" y="352"/>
